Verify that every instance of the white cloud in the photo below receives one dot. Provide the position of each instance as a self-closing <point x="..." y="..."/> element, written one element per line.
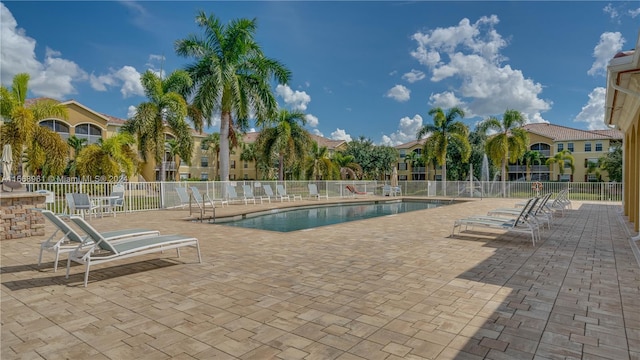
<point x="593" y="112"/>
<point x="471" y="54"/>
<point x="312" y="120"/>
<point x="131" y="111"/>
<point x="609" y="45"/>
<point x="127" y="77"/>
<point x="52" y="78"/>
<point x="297" y="100"/>
<point x="634" y="12"/>
<point x="407" y="130"/>
<point x="340" y="134"/>
<point x="445" y="100"/>
<point x="316" y="132"/>
<point x="612" y="11"/>
<point x="399" y="93"/>
<point x="413" y="76"/>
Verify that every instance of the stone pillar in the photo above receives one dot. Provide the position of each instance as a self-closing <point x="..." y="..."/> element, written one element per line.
<point x="18" y="219"/>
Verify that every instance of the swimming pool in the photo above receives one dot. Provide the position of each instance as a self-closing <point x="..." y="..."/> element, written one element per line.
<point x="285" y="220"/>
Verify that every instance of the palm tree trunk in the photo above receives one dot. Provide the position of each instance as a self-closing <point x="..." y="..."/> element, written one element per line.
<point x="225" y="121"/>
<point x="444" y="178"/>
<point x="504" y="177"/>
<point x="280" y="167"/>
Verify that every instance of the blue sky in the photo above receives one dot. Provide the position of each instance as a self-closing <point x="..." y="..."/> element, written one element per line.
<point x="360" y="68"/>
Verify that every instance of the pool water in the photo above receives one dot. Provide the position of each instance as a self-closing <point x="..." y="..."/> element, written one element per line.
<point x="285" y="220"/>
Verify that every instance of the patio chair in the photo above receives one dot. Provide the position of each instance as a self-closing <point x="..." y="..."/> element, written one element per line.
<point x="313" y="192"/>
<point x="82" y="202"/>
<point x="247" y="190"/>
<point x="116" y="199"/>
<point x="283" y="193"/>
<point x="522" y="223"/>
<point x="540" y="212"/>
<point x="65" y="239"/>
<point x="269" y="193"/>
<point x="183" y="195"/>
<point x="388" y="190"/>
<point x="232" y="195"/>
<point x="101" y="250"/>
<point x="203" y="199"/>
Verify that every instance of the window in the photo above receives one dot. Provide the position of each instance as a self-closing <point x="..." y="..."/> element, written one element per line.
<point x="402" y="177"/>
<point x="403" y="153"/>
<point x="418" y="151"/>
<point x="246" y="176"/>
<point x="57" y="126"/>
<point x="565" y="177"/>
<point x="402" y="166"/>
<point x="560" y="147"/>
<point x="590" y="160"/>
<point x="203" y="146"/>
<point x="587" y="147"/>
<point x="246" y="165"/>
<point x="204" y="176"/>
<point x="232" y="165"/>
<point x="570" y="147"/>
<point x="184" y="176"/>
<point x="232" y="176"/>
<point x="204" y="161"/>
<point x="567" y="164"/>
<point x="598" y="146"/>
<point x="88" y="131"/>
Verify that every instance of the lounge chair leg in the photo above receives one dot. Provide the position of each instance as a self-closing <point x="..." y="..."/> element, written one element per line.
<point x="55" y="264"/>
<point x="86" y="274"/>
<point x="68" y="268"/>
<point x="198" y="249"/>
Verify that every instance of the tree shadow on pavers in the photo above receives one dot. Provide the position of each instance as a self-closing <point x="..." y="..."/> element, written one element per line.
<point x="76" y="277"/>
<point x="521" y="294"/>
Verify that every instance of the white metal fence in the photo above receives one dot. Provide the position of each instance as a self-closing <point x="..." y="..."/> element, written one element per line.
<point x="143" y="196"/>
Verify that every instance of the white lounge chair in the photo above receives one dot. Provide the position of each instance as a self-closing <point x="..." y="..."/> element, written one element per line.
<point x="313" y="192"/>
<point x="283" y="193"/>
<point x="247" y="191"/>
<point x="522" y="223"/>
<point x="65" y="239"/>
<point x="269" y="193"/>
<point x="232" y="195"/>
<point x="540" y="212"/>
<point x="100" y="250"/>
<point x="204" y="199"/>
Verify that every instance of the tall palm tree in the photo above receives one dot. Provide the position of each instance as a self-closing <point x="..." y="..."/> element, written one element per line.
<point x="287" y="139"/>
<point x="21" y="124"/>
<point x="172" y="147"/>
<point x="165" y="107"/>
<point x="414" y="160"/>
<point x="561" y="158"/>
<point x="211" y="143"/>
<point x="347" y="166"/>
<point x="531" y="157"/>
<point x="111" y="157"/>
<point x="318" y="165"/>
<point x="508" y="144"/>
<point x="231" y="75"/>
<point x="46" y="153"/>
<point x="445" y="129"/>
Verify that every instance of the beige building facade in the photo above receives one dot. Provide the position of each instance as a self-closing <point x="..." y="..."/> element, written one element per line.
<point x="622" y="111"/>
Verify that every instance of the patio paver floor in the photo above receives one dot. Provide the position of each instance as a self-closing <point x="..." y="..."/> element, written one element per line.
<point x="383" y="288"/>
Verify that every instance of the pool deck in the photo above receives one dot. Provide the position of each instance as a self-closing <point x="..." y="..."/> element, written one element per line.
<point x="394" y="287"/>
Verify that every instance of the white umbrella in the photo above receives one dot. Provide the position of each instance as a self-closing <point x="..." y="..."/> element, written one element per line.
<point x="7" y="162"/>
<point x="394" y="178"/>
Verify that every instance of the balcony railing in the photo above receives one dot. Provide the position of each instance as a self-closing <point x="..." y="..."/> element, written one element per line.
<point x="168" y="166"/>
<point x="523" y="168"/>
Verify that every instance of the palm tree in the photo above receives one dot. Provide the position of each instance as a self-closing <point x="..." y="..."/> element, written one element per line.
<point x="347" y="166"/>
<point x="249" y="153"/>
<point x="318" y="165"/>
<point x="508" y="144"/>
<point x="21" y="129"/>
<point x="414" y="160"/>
<point x="46" y="153"/>
<point x="232" y="75"/>
<point x="212" y="143"/>
<point x="76" y="144"/>
<point x="445" y="129"/>
<point x="287" y="139"/>
<point x="531" y="157"/>
<point x="172" y="147"/>
<point x="166" y="107"/>
<point x="561" y="158"/>
<point x="111" y="157"/>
